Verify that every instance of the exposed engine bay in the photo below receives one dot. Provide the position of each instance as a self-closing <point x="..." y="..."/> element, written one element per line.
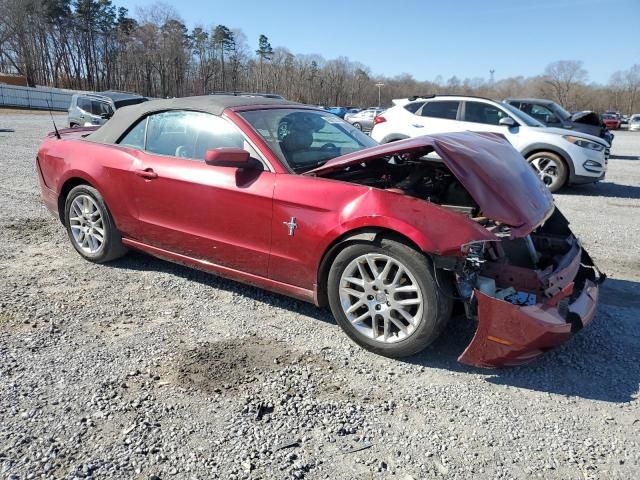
<point x="537" y="268"/>
<point x="422" y="178"/>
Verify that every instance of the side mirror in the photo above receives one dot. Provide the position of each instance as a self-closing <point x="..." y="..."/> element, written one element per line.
<point x="507" y="121"/>
<point x="227" y="157"/>
<point x="550" y="119"/>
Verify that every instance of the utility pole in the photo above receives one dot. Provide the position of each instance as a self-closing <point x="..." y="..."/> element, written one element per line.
<point x="379" y="85"/>
<point x="491" y="72"/>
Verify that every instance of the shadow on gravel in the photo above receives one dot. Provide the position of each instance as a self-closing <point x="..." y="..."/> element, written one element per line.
<point x="602" y="189"/>
<point x="142" y="262"/>
<point x="624" y="157"/>
<point x="600" y="363"/>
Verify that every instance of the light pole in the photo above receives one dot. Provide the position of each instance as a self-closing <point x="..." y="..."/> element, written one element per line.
<point x="379" y="85"/>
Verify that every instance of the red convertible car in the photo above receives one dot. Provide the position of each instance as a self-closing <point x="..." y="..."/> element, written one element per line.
<point x="295" y="200"/>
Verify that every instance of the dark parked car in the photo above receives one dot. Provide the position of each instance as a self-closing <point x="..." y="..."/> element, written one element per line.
<point x="315" y="209"/>
<point x="122" y="99"/>
<point x="553" y="115"/>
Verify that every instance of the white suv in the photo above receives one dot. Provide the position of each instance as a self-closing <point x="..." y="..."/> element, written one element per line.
<point x="560" y="156"/>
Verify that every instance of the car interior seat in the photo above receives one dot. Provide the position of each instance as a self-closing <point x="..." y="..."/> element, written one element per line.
<point x="295" y="145"/>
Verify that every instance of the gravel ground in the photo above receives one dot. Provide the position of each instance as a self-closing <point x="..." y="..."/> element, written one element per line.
<point x="146" y="370"/>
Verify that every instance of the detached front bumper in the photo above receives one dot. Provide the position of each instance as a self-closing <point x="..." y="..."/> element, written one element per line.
<point x="510" y="335"/>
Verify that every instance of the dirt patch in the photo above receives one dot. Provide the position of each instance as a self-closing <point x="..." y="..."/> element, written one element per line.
<point x="228" y="365"/>
<point x="29" y="229"/>
<point x="240" y="365"/>
<point x="6" y="319"/>
<point x="11" y="324"/>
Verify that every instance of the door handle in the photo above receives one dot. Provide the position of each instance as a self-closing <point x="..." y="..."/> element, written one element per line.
<point x="147" y="173"/>
<point x="418" y="125"/>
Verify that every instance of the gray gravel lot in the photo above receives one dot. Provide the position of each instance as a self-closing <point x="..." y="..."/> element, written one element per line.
<point x="147" y="370"/>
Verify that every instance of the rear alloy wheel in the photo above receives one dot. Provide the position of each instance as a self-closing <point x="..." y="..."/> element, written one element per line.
<point x="90" y="226"/>
<point x="550" y="168"/>
<point x="358" y="126"/>
<point x="384" y="297"/>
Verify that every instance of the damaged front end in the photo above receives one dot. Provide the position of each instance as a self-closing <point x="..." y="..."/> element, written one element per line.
<point x="528" y="283"/>
<point x="528" y="294"/>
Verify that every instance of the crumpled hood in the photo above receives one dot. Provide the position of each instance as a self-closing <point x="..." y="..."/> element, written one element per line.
<point x="494" y="173"/>
<point x="587" y="117"/>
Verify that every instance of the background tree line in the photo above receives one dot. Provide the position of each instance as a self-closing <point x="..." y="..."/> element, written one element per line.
<point x="94" y="45"/>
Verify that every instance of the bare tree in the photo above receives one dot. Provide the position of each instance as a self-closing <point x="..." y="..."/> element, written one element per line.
<point x="92" y="44"/>
<point x="562" y="77"/>
<point x="625" y="85"/>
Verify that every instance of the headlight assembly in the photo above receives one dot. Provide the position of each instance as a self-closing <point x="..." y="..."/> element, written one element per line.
<point x="584" y="143"/>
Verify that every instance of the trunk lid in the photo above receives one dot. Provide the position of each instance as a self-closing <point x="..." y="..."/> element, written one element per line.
<point x="494" y="173"/>
<point x="73" y="133"/>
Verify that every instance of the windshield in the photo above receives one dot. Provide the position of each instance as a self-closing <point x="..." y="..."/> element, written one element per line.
<point x="306" y="139"/>
<point x="521" y="116"/>
<point x="559" y="111"/>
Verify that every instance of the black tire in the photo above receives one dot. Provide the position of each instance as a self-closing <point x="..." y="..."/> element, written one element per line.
<point x="436" y="308"/>
<point x="562" y="169"/>
<point x="73" y="125"/>
<point x="111" y="247"/>
<point x="358" y="126"/>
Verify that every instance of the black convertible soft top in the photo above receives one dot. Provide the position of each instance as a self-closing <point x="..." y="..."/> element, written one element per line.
<point x="125" y="117"/>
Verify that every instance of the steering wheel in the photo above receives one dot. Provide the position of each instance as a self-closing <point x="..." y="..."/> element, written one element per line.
<point x="328" y="146"/>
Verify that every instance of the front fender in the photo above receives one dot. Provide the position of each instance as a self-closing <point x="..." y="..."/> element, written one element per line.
<point x="433" y="228"/>
<point x="326" y="210"/>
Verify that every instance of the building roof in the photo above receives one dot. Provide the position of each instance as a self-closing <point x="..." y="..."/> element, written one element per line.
<point x="124" y="117"/>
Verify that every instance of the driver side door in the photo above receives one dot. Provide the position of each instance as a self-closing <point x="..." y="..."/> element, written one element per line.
<point x="218" y="214"/>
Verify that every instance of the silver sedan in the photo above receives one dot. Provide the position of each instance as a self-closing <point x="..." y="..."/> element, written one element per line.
<point x="363" y="120"/>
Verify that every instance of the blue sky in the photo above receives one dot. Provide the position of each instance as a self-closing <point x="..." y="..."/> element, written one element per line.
<point x="466" y="38"/>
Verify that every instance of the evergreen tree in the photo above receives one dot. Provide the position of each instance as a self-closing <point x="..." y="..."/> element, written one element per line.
<point x="224" y="42"/>
<point x="264" y="52"/>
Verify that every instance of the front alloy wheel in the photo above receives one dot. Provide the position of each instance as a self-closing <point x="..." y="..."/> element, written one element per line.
<point x="550" y="168"/>
<point x="381" y="298"/>
<point x="385" y="298"/>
